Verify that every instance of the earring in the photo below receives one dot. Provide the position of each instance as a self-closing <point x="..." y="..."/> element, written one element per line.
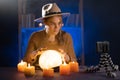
<point x="62" y="24"/>
<point x="40" y="24"/>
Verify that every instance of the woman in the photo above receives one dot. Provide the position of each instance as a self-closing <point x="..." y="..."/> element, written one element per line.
<point x="52" y="37"/>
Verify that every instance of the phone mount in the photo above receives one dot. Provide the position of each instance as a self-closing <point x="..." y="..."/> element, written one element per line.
<point x="105" y="62"/>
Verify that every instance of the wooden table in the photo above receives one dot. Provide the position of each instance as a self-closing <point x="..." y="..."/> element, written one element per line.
<point x="11" y="73"/>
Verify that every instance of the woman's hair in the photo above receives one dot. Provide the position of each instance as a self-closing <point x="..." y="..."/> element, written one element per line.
<point x="60" y="37"/>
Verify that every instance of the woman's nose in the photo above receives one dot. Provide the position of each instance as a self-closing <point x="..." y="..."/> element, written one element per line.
<point x="57" y="26"/>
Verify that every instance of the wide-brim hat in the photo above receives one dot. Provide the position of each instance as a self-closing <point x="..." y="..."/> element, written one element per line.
<point x="49" y="10"/>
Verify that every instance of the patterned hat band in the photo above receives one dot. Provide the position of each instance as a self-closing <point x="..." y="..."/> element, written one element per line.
<point x="52" y="13"/>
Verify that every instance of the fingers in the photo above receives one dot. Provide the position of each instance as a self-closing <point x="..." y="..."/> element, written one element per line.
<point x="34" y="55"/>
<point x="42" y="49"/>
<point x="61" y="51"/>
<point x="65" y="56"/>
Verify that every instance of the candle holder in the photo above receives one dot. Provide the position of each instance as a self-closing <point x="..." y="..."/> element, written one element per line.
<point x="48" y="72"/>
<point x="105" y="60"/>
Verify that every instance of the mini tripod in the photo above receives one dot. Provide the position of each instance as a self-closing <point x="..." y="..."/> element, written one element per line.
<point x="105" y="60"/>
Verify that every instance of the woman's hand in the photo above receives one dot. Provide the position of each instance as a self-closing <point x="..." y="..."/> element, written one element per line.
<point x="65" y="57"/>
<point x="34" y="54"/>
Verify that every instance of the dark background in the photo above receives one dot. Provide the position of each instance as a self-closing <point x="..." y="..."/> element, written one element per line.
<point x="101" y="23"/>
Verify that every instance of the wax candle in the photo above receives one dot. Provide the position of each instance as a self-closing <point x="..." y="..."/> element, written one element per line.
<point x="64" y="69"/>
<point x="74" y="66"/>
<point x="29" y="70"/>
<point x="21" y="66"/>
<point x="48" y="72"/>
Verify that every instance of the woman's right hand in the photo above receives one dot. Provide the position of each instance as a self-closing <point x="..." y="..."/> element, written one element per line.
<point x="35" y="53"/>
<point x="33" y="56"/>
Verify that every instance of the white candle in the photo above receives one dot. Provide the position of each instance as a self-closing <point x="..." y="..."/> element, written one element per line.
<point x="21" y="66"/>
<point x="74" y="67"/>
<point x="48" y="72"/>
<point x="64" y="69"/>
<point x="29" y="70"/>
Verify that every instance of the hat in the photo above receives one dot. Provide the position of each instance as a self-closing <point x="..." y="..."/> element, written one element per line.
<point x="51" y="9"/>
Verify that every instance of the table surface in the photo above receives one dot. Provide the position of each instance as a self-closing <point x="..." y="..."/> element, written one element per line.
<point x="11" y="73"/>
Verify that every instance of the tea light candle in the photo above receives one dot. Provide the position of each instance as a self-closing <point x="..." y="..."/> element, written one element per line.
<point x="74" y="66"/>
<point x="48" y="72"/>
<point x="21" y="66"/>
<point x="29" y="70"/>
<point x="64" y="69"/>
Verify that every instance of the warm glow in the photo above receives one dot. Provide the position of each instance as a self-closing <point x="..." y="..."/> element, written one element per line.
<point x="48" y="72"/>
<point x="64" y="63"/>
<point x="74" y="67"/>
<point x="29" y="70"/>
<point x="64" y="69"/>
<point x="21" y="61"/>
<point x="50" y="59"/>
<point x="21" y="66"/>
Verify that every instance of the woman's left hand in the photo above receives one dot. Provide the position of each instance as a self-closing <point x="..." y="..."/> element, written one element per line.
<point x="65" y="57"/>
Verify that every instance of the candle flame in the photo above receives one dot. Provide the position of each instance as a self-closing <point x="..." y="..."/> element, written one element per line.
<point x="28" y="64"/>
<point x="64" y="63"/>
<point x="21" y="61"/>
<point x="73" y="62"/>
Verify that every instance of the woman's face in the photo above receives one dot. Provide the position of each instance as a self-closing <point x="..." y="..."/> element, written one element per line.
<point x="53" y="24"/>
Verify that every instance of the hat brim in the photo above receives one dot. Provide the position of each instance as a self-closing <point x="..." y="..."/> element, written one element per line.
<point x="62" y="14"/>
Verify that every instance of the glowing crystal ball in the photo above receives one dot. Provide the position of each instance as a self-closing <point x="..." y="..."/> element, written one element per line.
<point x="50" y="59"/>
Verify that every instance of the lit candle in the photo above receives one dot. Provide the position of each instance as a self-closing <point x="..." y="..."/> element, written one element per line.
<point x="29" y="70"/>
<point x="21" y="66"/>
<point x="64" y="69"/>
<point x="74" y="67"/>
<point x="48" y="72"/>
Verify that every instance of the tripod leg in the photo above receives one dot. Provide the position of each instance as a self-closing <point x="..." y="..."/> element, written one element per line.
<point x="114" y="67"/>
<point x="107" y="66"/>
